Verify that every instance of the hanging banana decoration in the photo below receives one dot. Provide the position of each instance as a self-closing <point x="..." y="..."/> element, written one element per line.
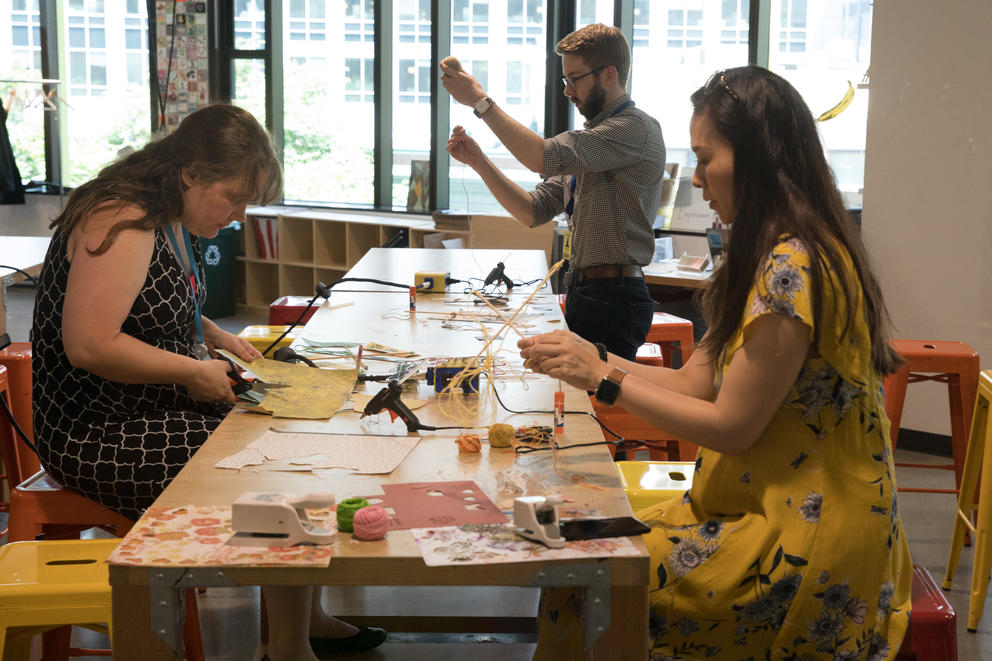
<point x="841" y="105"/>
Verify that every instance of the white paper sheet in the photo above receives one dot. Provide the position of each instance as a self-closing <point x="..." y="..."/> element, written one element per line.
<point x="304" y="451"/>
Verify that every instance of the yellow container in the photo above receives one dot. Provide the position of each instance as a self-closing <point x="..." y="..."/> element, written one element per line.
<point x="262" y="336"/>
<point x="648" y="483"/>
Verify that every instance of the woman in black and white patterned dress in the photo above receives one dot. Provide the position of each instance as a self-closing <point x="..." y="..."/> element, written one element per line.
<point x="124" y="389"/>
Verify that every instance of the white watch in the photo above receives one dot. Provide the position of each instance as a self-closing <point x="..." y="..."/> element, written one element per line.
<point x="481" y="106"/>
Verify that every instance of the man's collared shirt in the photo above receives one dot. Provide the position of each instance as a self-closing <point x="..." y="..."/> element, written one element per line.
<point x="619" y="164"/>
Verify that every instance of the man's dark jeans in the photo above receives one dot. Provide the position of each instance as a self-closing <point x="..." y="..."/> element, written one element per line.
<point x="615" y="311"/>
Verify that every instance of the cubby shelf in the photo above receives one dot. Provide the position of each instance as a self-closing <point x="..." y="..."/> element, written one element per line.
<point x="287" y="250"/>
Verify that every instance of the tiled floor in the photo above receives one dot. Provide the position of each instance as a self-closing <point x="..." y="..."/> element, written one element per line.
<point x="230" y="615"/>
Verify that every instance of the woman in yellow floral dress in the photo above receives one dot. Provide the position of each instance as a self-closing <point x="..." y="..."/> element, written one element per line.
<point x="789" y="544"/>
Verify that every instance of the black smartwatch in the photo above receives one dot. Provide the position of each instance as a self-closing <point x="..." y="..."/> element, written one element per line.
<point x="609" y="387"/>
<point x="601" y="348"/>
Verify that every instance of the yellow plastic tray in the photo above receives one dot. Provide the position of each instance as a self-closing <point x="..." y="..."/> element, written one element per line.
<point x="648" y="483"/>
<point x="262" y="336"/>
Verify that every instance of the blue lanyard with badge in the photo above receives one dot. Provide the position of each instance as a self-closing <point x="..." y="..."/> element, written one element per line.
<point x="566" y="251"/>
<point x="200" y="351"/>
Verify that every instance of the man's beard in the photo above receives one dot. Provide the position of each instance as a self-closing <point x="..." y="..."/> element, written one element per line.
<point x="593" y="105"/>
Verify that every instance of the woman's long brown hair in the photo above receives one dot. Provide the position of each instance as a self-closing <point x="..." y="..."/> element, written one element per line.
<point x="216" y="142"/>
<point x="782" y="184"/>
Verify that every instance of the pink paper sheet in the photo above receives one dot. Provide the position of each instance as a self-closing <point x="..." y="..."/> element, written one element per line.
<point x="434" y="504"/>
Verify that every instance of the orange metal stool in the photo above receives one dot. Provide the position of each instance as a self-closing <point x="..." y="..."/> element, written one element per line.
<point x="41" y="506"/>
<point x="643" y="436"/>
<point x="8" y="451"/>
<point x="978" y="462"/>
<point x="17" y="359"/>
<point x="931" y="635"/>
<point x="650" y="354"/>
<point x="953" y="363"/>
<point x="666" y="329"/>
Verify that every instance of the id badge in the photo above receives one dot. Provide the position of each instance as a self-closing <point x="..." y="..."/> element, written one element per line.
<point x="200" y="351"/>
<point x="566" y="248"/>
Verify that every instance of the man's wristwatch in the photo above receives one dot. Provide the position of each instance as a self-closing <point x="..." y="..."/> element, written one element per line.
<point x="481" y="106"/>
<point x="609" y="387"/>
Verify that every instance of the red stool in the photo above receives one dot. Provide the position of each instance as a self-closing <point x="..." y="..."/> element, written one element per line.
<point x="650" y="354"/>
<point x="8" y="450"/>
<point x="17" y="359"/>
<point x="660" y="446"/>
<point x="953" y="363"/>
<point x="666" y="329"/>
<point x="931" y="635"/>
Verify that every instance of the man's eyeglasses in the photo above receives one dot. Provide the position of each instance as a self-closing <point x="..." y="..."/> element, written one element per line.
<point x="570" y="82"/>
<point x="718" y="79"/>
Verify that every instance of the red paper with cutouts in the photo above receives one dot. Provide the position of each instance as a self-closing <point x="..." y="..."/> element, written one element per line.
<point x="437" y="504"/>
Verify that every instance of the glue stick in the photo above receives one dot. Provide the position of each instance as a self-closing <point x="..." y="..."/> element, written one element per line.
<point x="413" y="298"/>
<point x="559" y="416"/>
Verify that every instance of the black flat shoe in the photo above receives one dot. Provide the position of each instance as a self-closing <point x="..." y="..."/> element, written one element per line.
<point x="365" y="639"/>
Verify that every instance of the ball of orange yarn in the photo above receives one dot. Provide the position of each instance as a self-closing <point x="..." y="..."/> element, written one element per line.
<point x="468" y="443"/>
<point x="501" y="435"/>
<point x="371" y="523"/>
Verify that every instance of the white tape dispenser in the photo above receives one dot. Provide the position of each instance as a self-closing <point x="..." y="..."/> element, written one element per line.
<point x="536" y="518"/>
<point x="278" y="519"/>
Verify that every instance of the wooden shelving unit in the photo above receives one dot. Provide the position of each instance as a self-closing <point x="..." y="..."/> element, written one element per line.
<point x="315" y="245"/>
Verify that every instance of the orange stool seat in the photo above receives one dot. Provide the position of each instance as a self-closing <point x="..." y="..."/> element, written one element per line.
<point x="953" y="363"/>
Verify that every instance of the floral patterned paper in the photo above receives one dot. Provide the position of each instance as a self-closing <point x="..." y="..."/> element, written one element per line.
<point x="482" y="544"/>
<point x="197" y="536"/>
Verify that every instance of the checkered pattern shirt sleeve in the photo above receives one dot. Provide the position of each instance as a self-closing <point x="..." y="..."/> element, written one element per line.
<point x="619" y="162"/>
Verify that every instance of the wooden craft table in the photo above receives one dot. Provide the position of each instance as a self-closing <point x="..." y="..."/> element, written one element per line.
<point x="147" y="601"/>
<point x="665" y="273"/>
<point x="23" y="252"/>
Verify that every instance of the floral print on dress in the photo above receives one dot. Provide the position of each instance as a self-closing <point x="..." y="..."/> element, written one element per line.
<point x="793" y="549"/>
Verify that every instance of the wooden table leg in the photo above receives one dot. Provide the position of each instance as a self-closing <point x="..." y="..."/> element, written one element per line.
<point x="132" y="634"/>
<point x="627" y="637"/>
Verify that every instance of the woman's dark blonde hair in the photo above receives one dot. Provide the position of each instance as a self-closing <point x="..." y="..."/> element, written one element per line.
<point x="216" y="142"/>
<point x="782" y="185"/>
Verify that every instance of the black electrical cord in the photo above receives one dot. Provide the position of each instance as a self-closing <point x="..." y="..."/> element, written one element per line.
<point x="324" y="291"/>
<point x="163" y="94"/>
<point x="17" y="427"/>
<point x="22" y="272"/>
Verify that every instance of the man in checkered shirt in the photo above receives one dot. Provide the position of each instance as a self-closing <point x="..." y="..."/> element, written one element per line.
<point x="606" y="177"/>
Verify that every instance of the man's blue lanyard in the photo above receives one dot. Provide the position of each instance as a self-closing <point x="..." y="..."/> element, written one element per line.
<point x="570" y="207"/>
<point x="194" y="280"/>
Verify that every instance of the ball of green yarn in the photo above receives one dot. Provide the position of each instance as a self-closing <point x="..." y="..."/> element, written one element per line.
<point x="346" y="513"/>
<point x="501" y="435"/>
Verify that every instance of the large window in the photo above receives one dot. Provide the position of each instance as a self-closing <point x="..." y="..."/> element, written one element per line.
<point x="328" y="101"/>
<point x="101" y="100"/>
<point x="329" y="86"/>
<point x="510" y="63"/>
<point x="679" y="47"/>
<point x="822" y="48"/>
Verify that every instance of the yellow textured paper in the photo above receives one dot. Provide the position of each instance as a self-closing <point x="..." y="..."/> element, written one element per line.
<point x="298" y="390"/>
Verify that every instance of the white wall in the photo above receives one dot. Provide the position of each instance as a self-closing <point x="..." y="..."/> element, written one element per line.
<point x="928" y="179"/>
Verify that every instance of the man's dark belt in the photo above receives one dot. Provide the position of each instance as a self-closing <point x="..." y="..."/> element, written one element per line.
<point x="577" y="276"/>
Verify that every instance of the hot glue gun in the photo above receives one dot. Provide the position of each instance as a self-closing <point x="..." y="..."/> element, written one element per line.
<point x="388" y="399"/>
<point x="498" y="275"/>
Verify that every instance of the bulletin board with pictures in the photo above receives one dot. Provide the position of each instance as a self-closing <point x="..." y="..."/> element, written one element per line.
<point x="181" y="35"/>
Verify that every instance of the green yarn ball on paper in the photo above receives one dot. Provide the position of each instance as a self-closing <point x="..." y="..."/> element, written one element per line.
<point x="346" y="513"/>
